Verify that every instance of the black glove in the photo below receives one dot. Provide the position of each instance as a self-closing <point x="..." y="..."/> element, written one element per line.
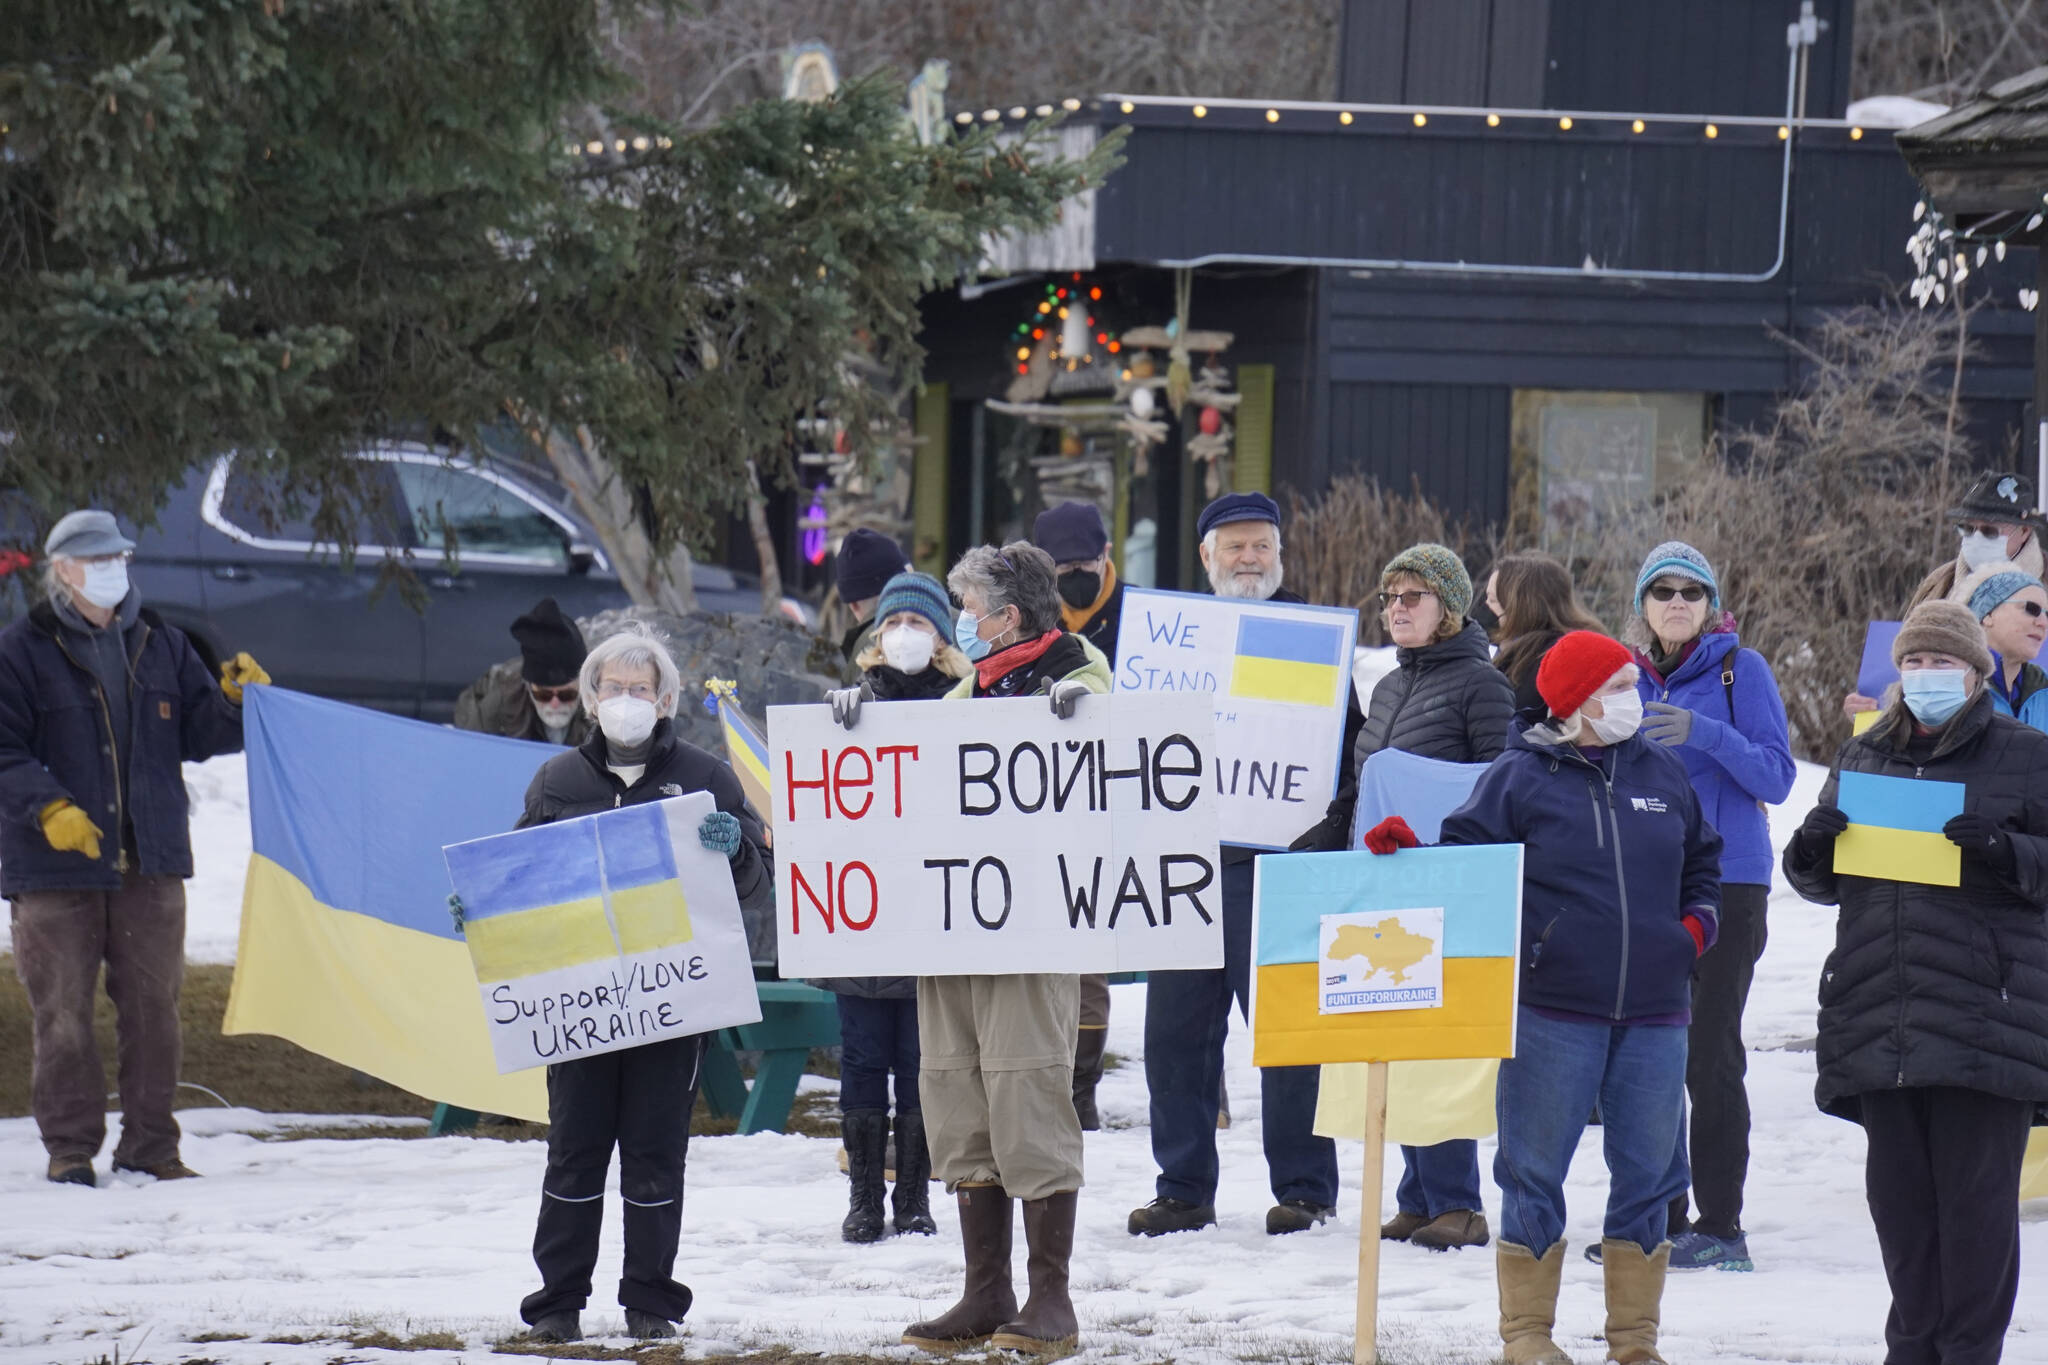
<point x="1980" y="835"/>
<point x="1327" y="835"/>
<point x="1823" y="824"/>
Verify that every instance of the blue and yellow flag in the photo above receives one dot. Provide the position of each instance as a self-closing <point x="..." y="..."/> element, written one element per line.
<point x="347" y="948"/>
<point x="746" y="749"/>
<point x="1289" y="660"/>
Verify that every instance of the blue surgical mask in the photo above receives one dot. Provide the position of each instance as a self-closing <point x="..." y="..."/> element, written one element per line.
<point x="1934" y="695"/>
<point x="971" y="644"/>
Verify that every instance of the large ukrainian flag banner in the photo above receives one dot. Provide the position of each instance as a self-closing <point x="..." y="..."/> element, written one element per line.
<point x="1478" y="890"/>
<point x="347" y="948"/>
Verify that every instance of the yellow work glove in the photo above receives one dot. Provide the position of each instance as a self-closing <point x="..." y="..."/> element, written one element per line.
<point x="238" y="673"/>
<point x="70" y="830"/>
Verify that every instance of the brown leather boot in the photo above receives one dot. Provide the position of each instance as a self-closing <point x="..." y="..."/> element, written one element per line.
<point x="988" y="1300"/>
<point x="1047" y="1323"/>
<point x="1635" y="1300"/>
<point x="1528" y="1304"/>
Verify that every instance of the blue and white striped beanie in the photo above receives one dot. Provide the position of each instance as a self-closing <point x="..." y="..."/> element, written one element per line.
<point x="920" y="593"/>
<point x="1676" y="559"/>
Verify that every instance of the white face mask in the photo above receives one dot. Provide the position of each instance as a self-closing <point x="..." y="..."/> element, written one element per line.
<point x="1623" y="717"/>
<point x="626" y="720"/>
<point x="556" y="715"/>
<point x="908" y="649"/>
<point x="106" y="584"/>
<point x="1980" y="549"/>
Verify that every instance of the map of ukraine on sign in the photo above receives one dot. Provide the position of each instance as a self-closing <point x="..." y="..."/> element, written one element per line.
<point x="1407" y="957"/>
<point x="602" y="933"/>
<point x="1279" y="677"/>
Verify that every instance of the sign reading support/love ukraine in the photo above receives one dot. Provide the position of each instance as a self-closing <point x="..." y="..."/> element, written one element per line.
<point x="1894" y="829"/>
<point x="1426" y="941"/>
<point x="1279" y="675"/>
<point x="604" y="932"/>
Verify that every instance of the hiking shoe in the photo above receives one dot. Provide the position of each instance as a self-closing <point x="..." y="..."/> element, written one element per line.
<point x="71" y="1170"/>
<point x="557" y="1328"/>
<point x="648" y="1326"/>
<point x="1165" y="1215"/>
<point x="1458" y="1228"/>
<point x="1295" y="1215"/>
<point x="1402" y="1226"/>
<point x="1696" y="1250"/>
<point x="173" y="1169"/>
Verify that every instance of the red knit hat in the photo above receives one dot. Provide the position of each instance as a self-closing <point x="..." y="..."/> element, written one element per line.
<point x="1576" y="667"/>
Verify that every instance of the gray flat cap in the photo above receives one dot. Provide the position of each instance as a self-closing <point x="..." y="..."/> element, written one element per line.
<point x="85" y="535"/>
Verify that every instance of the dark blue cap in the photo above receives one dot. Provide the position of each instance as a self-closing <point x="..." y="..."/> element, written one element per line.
<point x="867" y="561"/>
<point x="1070" y="532"/>
<point x="1233" y="507"/>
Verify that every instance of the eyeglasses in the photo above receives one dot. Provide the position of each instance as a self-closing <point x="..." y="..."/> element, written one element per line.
<point x="1691" y="593"/>
<point x="553" y="694"/>
<point x="1410" y="599"/>
<point x="1981" y="528"/>
<point x="118" y="557"/>
<point x="608" y="689"/>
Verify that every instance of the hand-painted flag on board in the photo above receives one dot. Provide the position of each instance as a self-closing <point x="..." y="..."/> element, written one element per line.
<point x="1479" y="889"/>
<point x="347" y="948"/>
<point x="1895" y="829"/>
<point x="1289" y="660"/>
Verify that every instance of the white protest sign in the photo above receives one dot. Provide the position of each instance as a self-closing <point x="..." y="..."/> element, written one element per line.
<point x="985" y="837"/>
<point x="604" y="932"/>
<point x="1279" y="675"/>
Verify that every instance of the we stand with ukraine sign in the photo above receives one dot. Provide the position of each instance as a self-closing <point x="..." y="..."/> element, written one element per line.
<point x="604" y="932"/>
<point x="1279" y="674"/>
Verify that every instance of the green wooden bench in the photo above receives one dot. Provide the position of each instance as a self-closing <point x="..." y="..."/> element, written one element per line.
<point x="794" y="1019"/>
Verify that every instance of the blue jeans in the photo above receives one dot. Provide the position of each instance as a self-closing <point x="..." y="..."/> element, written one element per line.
<point x="1547" y="1091"/>
<point x="877" y="1037"/>
<point x="1187" y="1015"/>
<point x="1436" y="1180"/>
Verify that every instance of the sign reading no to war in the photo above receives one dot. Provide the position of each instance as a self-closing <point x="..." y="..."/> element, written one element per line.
<point x="1279" y="676"/>
<point x="984" y="837"/>
<point x="604" y="932"/>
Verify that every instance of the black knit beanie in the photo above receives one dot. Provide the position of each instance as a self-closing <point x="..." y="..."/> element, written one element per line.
<point x="550" y="646"/>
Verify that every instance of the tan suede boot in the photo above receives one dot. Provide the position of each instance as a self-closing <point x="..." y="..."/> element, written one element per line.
<point x="1528" y="1303"/>
<point x="989" y="1300"/>
<point x="1635" y="1299"/>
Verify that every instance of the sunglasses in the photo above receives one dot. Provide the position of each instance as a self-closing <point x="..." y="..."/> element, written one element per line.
<point x="1692" y="593"/>
<point x="552" y="694"/>
<point x="1410" y="599"/>
<point x="2032" y="608"/>
<point x="1982" y="528"/>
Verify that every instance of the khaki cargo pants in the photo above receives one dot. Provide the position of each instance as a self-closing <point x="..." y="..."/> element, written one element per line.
<point x="998" y="1081"/>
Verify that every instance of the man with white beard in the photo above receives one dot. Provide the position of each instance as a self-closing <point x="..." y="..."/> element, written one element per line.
<point x="533" y="696"/>
<point x="1187" y="1013"/>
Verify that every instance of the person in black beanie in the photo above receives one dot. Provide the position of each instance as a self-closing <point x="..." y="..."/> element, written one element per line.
<point x="1091" y="606"/>
<point x="866" y="562"/>
<point x="533" y="696"/>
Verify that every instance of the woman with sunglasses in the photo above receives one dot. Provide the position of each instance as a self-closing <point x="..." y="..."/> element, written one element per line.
<point x="1717" y="705"/>
<point x="1444" y="700"/>
<point x="2012" y="606"/>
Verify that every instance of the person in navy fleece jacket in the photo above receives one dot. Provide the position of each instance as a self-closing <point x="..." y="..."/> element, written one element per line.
<point x="1621" y="888"/>
<point x="1716" y="705"/>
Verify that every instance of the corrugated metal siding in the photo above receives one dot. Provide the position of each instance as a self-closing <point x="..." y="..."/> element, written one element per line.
<point x="1479" y="52"/>
<point x="1451" y="440"/>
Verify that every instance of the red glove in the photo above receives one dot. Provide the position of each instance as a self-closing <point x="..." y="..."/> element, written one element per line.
<point x="1390" y="834"/>
<point x="1698" y="929"/>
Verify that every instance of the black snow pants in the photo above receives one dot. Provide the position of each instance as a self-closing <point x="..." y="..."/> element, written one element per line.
<point x="638" y="1100"/>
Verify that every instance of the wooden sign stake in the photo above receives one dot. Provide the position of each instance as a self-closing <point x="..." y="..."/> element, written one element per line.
<point x="1365" y="1346"/>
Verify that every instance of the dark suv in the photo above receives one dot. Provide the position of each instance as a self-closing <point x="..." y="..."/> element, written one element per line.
<point x="217" y="569"/>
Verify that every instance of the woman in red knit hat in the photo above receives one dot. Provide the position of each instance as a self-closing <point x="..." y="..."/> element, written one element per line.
<point x="1621" y="887"/>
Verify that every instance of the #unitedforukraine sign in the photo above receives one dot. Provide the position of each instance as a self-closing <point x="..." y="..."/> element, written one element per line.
<point x="987" y="837"/>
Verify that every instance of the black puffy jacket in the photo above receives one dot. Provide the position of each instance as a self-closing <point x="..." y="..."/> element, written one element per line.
<point x="577" y="782"/>
<point x="1445" y="701"/>
<point x="1935" y="985"/>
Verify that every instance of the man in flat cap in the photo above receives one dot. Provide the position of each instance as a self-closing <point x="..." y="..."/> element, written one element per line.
<point x="100" y="704"/>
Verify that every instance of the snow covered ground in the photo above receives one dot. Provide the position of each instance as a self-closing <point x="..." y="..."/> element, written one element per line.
<point x="324" y="1240"/>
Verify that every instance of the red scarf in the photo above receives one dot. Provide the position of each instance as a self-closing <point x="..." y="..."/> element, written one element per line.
<point x="998" y="665"/>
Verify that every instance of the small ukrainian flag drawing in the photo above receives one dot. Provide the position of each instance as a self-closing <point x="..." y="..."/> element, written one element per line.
<point x="1288" y="660"/>
<point x="1894" y="829"/>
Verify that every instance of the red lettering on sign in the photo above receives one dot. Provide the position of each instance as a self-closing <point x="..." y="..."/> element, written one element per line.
<point x="799" y="886"/>
<point x="846" y="905"/>
<point x="896" y="752"/>
<point x="791" y="785"/>
<point x="840" y="781"/>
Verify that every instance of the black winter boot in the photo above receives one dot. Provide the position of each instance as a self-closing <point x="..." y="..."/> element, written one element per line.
<point x="913" y="1193"/>
<point x="1089" y="1045"/>
<point x="867" y="1145"/>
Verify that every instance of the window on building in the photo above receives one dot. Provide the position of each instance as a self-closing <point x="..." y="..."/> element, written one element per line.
<point x="1587" y="462"/>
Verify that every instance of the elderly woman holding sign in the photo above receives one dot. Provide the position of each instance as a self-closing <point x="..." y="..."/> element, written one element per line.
<point x="637" y="1100"/>
<point x="1934" y="1003"/>
<point x="1621" y="885"/>
<point x="998" y="1073"/>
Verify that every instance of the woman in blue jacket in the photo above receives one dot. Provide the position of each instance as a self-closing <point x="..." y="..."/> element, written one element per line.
<point x="1621" y="886"/>
<point x="1717" y="706"/>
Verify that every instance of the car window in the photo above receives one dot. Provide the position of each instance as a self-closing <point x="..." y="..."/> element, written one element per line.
<point x="479" y="516"/>
<point x="250" y="504"/>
